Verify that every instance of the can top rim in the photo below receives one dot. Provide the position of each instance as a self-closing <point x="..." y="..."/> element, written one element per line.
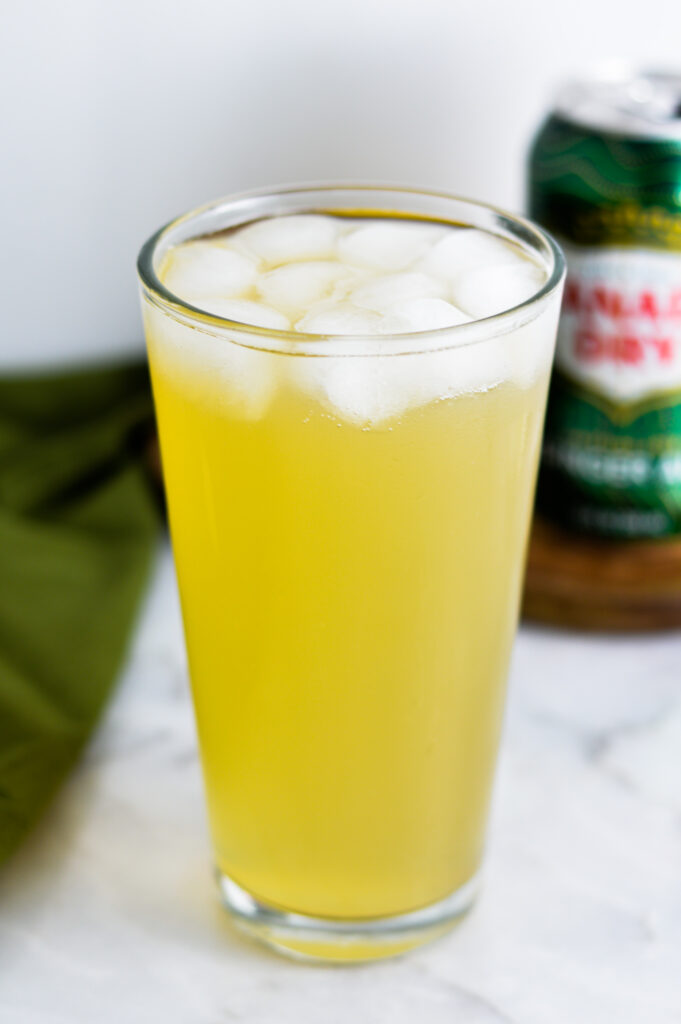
<point x="621" y="99"/>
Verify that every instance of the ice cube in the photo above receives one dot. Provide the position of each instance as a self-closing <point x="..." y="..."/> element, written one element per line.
<point x="245" y="379"/>
<point x="356" y="389"/>
<point x="361" y="391"/>
<point x="427" y="314"/>
<point x="244" y="311"/>
<point x="430" y="376"/>
<point x="388" y="245"/>
<point x="201" y="268"/>
<point x="382" y="293"/>
<point x="529" y="349"/>
<point x="465" y="249"/>
<point x="339" y="319"/>
<point x="487" y="290"/>
<point x="210" y="369"/>
<point x="298" y="286"/>
<point x="372" y="390"/>
<point x="289" y="239"/>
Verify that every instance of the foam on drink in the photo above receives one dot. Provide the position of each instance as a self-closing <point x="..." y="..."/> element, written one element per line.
<point x="339" y="277"/>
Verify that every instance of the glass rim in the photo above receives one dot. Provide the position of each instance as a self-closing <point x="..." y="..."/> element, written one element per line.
<point x="293" y="342"/>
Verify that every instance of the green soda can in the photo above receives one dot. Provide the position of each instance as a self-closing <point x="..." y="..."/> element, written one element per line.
<point x="605" y="179"/>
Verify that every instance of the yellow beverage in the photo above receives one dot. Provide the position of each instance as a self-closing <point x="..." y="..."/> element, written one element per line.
<point x="348" y="700"/>
<point x="350" y="582"/>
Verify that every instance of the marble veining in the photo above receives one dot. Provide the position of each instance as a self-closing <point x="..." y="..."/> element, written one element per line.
<point x="109" y="914"/>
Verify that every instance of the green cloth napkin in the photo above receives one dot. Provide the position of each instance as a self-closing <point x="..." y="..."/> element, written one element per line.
<point x="78" y="522"/>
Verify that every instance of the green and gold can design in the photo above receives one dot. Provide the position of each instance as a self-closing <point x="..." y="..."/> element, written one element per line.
<point x="605" y="178"/>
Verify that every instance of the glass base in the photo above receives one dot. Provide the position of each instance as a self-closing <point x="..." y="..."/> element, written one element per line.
<point x="316" y="938"/>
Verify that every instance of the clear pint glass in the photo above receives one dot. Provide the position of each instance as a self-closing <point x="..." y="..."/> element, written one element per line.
<point x="349" y="519"/>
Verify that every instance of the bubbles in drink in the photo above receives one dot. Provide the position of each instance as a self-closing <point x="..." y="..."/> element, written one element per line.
<point x="346" y="277"/>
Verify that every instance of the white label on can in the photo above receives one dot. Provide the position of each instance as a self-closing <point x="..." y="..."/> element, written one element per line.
<point x="620" y="328"/>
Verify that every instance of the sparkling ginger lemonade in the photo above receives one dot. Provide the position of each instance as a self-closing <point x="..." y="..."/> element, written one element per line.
<point x="349" y="530"/>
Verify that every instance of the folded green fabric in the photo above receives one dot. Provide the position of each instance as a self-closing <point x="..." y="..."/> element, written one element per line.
<point x="78" y="522"/>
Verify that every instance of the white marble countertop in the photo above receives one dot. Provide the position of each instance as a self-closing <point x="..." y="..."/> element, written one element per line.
<point x="109" y="914"/>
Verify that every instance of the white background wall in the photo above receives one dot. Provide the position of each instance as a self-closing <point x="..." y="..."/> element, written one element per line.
<point x="120" y="114"/>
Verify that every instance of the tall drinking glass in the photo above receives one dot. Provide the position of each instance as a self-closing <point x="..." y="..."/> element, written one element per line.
<point x="349" y="581"/>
